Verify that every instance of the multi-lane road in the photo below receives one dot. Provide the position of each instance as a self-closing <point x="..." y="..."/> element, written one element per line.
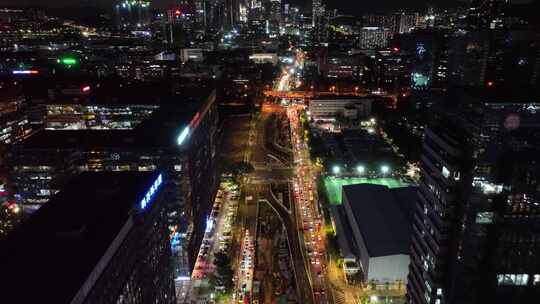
<point x="259" y="187"/>
<point x="302" y="219"/>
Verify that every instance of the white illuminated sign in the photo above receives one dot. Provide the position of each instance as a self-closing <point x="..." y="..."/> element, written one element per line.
<point x="151" y="192"/>
<point x="182" y="137"/>
<point x="209" y="225"/>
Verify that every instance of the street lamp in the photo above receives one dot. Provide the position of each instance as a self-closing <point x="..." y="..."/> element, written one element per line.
<point x="360" y="169"/>
<point x="385" y="169"/>
<point x="336" y="169"/>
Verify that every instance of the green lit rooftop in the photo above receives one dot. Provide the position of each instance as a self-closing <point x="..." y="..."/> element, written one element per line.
<point x="333" y="185"/>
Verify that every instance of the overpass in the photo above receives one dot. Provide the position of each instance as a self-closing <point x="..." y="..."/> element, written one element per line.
<point x="309" y="94"/>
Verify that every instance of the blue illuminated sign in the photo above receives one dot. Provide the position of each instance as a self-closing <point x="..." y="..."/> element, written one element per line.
<point x="182" y="137"/>
<point x="151" y="192"/>
<point x="175" y="240"/>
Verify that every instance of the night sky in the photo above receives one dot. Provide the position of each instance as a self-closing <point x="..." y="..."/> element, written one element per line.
<point x="353" y="7"/>
<point x="342" y="4"/>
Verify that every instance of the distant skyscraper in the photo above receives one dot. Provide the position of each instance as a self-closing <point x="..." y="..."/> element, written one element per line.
<point x="320" y="21"/>
<point x="407" y="22"/>
<point x="132" y="14"/>
<point x="199" y="13"/>
<point x="255" y="10"/>
<point x="377" y="20"/>
<point x="317" y="11"/>
<point x="477" y="226"/>
<point x="487" y="13"/>
<point x="494" y="58"/>
<point x="243" y="11"/>
<point x="275" y="11"/>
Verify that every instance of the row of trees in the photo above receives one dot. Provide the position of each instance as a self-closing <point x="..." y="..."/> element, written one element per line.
<point x="224" y="273"/>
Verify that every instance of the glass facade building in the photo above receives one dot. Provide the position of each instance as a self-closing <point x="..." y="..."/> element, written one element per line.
<point x="97" y="244"/>
<point x="476" y="228"/>
<point x="178" y="141"/>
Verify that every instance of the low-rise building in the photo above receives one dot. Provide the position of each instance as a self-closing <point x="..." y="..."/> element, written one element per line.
<point x="380" y="222"/>
<point x="261" y="58"/>
<point x="195" y="55"/>
<point x="328" y="107"/>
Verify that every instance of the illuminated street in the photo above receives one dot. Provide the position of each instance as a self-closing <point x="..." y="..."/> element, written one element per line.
<point x="308" y="216"/>
<point x="244" y="283"/>
<point x="270" y="151"/>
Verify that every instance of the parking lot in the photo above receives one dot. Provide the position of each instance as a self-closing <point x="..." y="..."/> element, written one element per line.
<point x="217" y="237"/>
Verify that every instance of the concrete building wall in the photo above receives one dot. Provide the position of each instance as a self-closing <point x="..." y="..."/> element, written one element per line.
<point x="331" y="107"/>
<point x="362" y="255"/>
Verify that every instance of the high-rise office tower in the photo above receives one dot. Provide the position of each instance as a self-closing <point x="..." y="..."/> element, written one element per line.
<point x="231" y="13"/>
<point x="181" y="144"/>
<point x="476" y="230"/>
<point x="243" y="11"/>
<point x="320" y="21"/>
<point x="183" y="21"/>
<point x="494" y="58"/>
<point x="275" y="11"/>
<point x="487" y="13"/>
<point x="255" y="10"/>
<point x="214" y="11"/>
<point x="199" y="14"/>
<point x="132" y="14"/>
<point x="102" y="239"/>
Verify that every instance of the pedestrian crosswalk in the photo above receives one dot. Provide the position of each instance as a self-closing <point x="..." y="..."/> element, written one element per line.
<point x="339" y="297"/>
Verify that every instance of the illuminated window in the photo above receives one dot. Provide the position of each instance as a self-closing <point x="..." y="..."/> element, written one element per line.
<point x="445" y="172"/>
<point x="513" y="279"/>
<point x="485" y="217"/>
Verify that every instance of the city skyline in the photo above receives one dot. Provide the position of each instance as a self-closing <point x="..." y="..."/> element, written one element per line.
<point x="339" y="4"/>
<point x="262" y="152"/>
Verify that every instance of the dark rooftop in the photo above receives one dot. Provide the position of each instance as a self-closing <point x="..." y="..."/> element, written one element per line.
<point x="384" y="216"/>
<point x="49" y="257"/>
<point x="160" y="130"/>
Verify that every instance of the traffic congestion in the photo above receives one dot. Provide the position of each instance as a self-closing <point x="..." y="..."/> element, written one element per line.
<point x="309" y="217"/>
